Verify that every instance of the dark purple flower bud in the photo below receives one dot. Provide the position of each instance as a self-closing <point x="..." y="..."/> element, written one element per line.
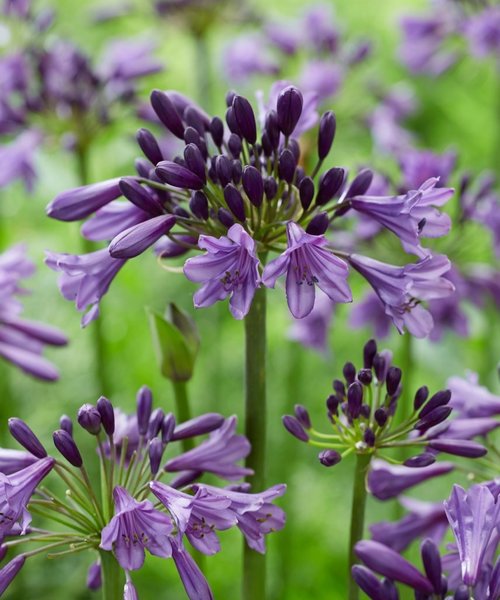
<point x="234" y="145"/>
<point x="360" y="183"/>
<point x="390" y="590"/>
<point x="365" y="411"/>
<point x="354" y="399"/>
<point x="289" y="108"/>
<point x="244" y="115"/>
<point x="302" y="416"/>
<point x="28" y="440"/>
<point x="107" y="413"/>
<point x="155" y="423"/>
<point x="318" y="224"/>
<point x="461" y="593"/>
<point x="270" y="188"/>
<point x="155" y="452"/>
<point x="149" y="146"/>
<point x="466" y="448"/>
<point x="9" y="572"/>
<point x="138" y="238"/>
<point x="349" y="372"/>
<point x="432" y="563"/>
<point x="167" y="428"/>
<point x="234" y="202"/>
<point x="198" y="426"/>
<point x="178" y="176"/>
<point x="365" y="376"/>
<point x="143" y="167"/>
<point x="306" y="192"/>
<point x="392" y="380"/>
<point x="421" y="396"/>
<point x="94" y="576"/>
<point x="223" y="168"/>
<point x="144" y="406"/>
<point x="236" y="171"/>
<point x="329" y="184"/>
<point x="231" y="121"/>
<point x="191" y="136"/>
<point x="422" y="460"/>
<point x="381" y="416"/>
<point x="299" y="176"/>
<point x="195" y="162"/>
<point x="440" y="398"/>
<point x="339" y="387"/>
<point x="133" y="191"/>
<point x="66" y="423"/>
<point x="329" y="458"/>
<point x="438" y="415"/>
<point x="369" y="351"/>
<point x="230" y="97"/>
<point x="326" y="134"/>
<point x="199" y="205"/>
<point x="253" y="184"/>
<point x="266" y="144"/>
<point x="194" y="119"/>
<point x="332" y="403"/>
<point x="67" y="447"/>
<point x="217" y="131"/>
<point x="380" y="367"/>
<point x="293" y="146"/>
<point x="167" y="113"/>
<point x="286" y="165"/>
<point x="89" y="418"/>
<point x="369" y="437"/>
<point x="180" y="212"/>
<point x="272" y="129"/>
<point x="295" y="428"/>
<point x="225" y="217"/>
<point x="368" y="582"/>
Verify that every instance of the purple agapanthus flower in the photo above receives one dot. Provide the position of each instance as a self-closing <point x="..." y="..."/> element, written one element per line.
<point x="135" y="527"/>
<point x="229" y="268"/>
<point x="22" y="341"/>
<point x="309" y="115"/>
<point x="322" y="77"/>
<point x="194" y="581"/>
<point x="312" y="331"/>
<point x="483" y="32"/>
<point x="15" y="492"/>
<point x="472" y="400"/>
<point x="418" y="166"/>
<point x="12" y="461"/>
<point x="370" y="311"/>
<point x="247" y="56"/>
<point x="17" y="159"/>
<point x="85" y="278"/>
<point x="473" y="517"/>
<point x="307" y="263"/>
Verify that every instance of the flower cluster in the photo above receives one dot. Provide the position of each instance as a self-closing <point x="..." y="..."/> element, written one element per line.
<point x="22" y="341"/>
<point x="315" y="36"/>
<point x="362" y="412"/>
<point x="53" y="89"/>
<point x="117" y="518"/>
<point x="471" y="571"/>
<point x="240" y="197"/>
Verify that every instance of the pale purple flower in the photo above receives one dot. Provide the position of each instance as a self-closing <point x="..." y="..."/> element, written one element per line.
<point x="418" y="166"/>
<point x="85" y="278"/>
<point x="322" y="77"/>
<point x="129" y="591"/>
<point x="370" y="311"/>
<point x="111" y="220"/>
<point x="312" y="331"/>
<point x="94" y="576"/>
<point x="473" y="517"/>
<point x="17" y="159"/>
<point x="447" y="313"/>
<point x="9" y="572"/>
<point x="135" y="527"/>
<point x="229" y="268"/>
<point x="218" y="454"/>
<point x="307" y="263"/>
<point x="387" y="481"/>
<point x="472" y="400"/>
<point x="483" y="32"/>
<point x="15" y="492"/>
<point x="247" y="56"/>
<point x="284" y="36"/>
<point x="12" y="461"/>
<point x="319" y="29"/>
<point x="194" y="581"/>
<point x="128" y="59"/>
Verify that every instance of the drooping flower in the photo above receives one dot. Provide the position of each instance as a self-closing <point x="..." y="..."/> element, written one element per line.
<point x="307" y="263"/>
<point x="229" y="268"/>
<point x="312" y="331"/>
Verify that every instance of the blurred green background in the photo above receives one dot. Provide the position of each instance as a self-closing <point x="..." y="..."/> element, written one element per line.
<point x="308" y="559"/>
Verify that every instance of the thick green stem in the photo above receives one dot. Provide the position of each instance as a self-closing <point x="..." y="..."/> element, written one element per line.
<point x="98" y="342"/>
<point x="254" y="565"/>
<point x="112" y="577"/>
<point x="357" y="516"/>
<point x="182" y="409"/>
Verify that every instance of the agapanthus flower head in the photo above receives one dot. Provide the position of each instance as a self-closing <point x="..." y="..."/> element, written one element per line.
<point x="119" y="515"/>
<point x="23" y="341"/>
<point x="238" y="192"/>
<point x="362" y="410"/>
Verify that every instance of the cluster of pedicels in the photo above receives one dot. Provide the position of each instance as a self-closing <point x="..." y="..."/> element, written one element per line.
<point x="51" y="89"/>
<point x="143" y="502"/>
<point x="363" y="414"/>
<point x="22" y="341"/>
<point x="239" y="196"/>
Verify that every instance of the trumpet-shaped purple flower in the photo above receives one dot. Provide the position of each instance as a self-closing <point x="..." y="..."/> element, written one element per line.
<point x="307" y="263"/>
<point x="473" y="517"/>
<point x="81" y="202"/>
<point x="387" y="481"/>
<point x="111" y="220"/>
<point x="192" y="578"/>
<point x="85" y="278"/>
<point x="15" y="492"/>
<point x="229" y="268"/>
<point x="218" y="454"/>
<point x="472" y="400"/>
<point x="10" y="571"/>
<point x="409" y="216"/>
<point x="135" y="527"/>
<point x="12" y="461"/>
<point x="401" y="289"/>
